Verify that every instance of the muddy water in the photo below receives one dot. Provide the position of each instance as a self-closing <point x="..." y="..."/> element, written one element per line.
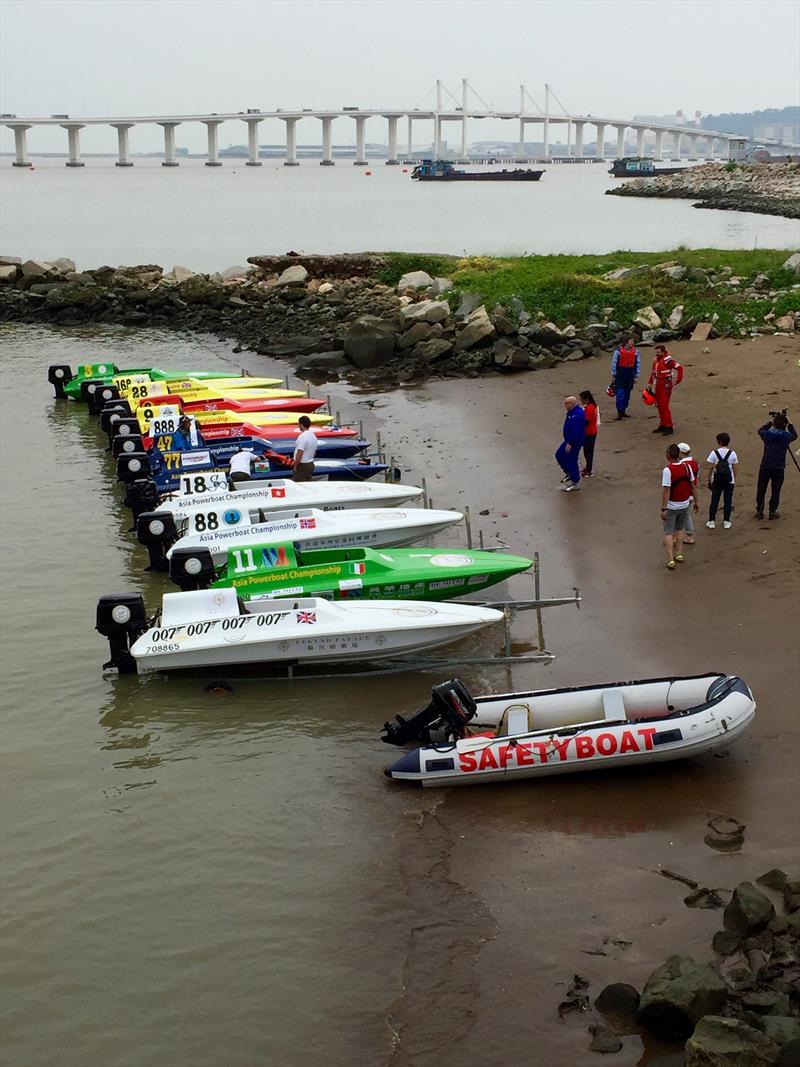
<point x="196" y="878"/>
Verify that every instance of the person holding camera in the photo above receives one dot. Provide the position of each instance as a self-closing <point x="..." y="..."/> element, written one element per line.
<point x="777" y="435"/>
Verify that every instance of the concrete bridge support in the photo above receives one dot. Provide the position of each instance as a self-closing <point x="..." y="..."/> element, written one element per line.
<point x="640" y="142"/>
<point x="122" y="143"/>
<point x="392" y="160"/>
<point x="464" y="144"/>
<point x="327" y="141"/>
<point x="361" y="142"/>
<point x="676" y="145"/>
<point x="169" y="144"/>
<point x="600" y="145"/>
<point x="437" y="137"/>
<point x="20" y="145"/>
<point x="213" y="151"/>
<point x="409" y="140"/>
<point x="659" y="149"/>
<point x="252" y="143"/>
<point x="621" y="141"/>
<point x="74" y="136"/>
<point x="521" y="141"/>
<point x="693" y="139"/>
<point x="579" y="139"/>
<point x="291" y="143"/>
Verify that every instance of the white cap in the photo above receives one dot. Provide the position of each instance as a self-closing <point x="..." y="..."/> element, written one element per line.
<point x="684" y="448"/>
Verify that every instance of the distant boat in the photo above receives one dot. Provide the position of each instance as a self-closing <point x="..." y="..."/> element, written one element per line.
<point x="444" y="171"/>
<point x="640" y="168"/>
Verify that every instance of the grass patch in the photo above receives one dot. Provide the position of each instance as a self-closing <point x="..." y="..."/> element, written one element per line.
<point x="571" y="289"/>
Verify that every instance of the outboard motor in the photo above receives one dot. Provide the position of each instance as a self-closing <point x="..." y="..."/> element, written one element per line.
<point x="191" y="568"/>
<point x="58" y="374"/>
<point x="120" y="444"/>
<point x="123" y="426"/>
<point x="447" y="715"/>
<point x="133" y="465"/>
<point x="157" y="531"/>
<point x="141" y="496"/>
<point x="89" y="387"/>
<point x="121" y="618"/>
<point x="102" y="395"/>
<point x="120" y="408"/>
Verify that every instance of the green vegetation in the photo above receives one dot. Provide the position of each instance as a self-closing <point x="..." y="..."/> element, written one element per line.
<point x="571" y="289"/>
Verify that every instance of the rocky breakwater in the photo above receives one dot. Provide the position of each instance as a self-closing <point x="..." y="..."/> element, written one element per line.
<point x="328" y="315"/>
<point x="742" y="1009"/>
<point x="764" y="188"/>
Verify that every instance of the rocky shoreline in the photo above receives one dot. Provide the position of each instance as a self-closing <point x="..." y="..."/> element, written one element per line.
<point x="333" y="316"/>
<point x="765" y="189"/>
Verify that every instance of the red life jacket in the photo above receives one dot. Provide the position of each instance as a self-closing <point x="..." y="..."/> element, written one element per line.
<point x="681" y="476"/>
<point x="627" y="357"/>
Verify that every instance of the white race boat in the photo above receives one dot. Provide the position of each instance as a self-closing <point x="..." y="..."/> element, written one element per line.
<point x="317" y="529"/>
<point x="555" y="731"/>
<point x="211" y="628"/>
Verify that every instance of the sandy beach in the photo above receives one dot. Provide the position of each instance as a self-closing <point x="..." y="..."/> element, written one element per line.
<point x="518" y="888"/>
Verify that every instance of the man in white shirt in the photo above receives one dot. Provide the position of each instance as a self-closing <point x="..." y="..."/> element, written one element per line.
<point x="722" y="464"/>
<point x="305" y="450"/>
<point x="242" y="464"/>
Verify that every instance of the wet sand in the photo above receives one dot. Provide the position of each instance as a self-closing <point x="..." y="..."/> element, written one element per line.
<point x="522" y="886"/>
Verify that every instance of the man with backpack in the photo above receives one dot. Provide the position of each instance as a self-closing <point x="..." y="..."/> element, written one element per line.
<point x="722" y="466"/>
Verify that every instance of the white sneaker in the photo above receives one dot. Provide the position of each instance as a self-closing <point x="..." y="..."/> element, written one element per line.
<point x="572" y="487"/>
<point x="712" y="525"/>
<point x="727" y="525"/>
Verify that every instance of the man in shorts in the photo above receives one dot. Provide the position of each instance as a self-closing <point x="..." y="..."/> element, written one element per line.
<point x="678" y="494"/>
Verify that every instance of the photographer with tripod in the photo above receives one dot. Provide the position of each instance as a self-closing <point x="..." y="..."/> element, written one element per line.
<point x="777" y="435"/>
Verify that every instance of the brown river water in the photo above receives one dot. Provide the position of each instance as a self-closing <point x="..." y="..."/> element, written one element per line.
<point x="228" y="879"/>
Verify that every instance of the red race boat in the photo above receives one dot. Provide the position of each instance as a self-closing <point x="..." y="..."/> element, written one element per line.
<point x="223" y="430"/>
<point x="301" y="404"/>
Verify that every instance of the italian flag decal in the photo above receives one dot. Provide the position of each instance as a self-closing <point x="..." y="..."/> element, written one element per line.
<point x="359" y="568"/>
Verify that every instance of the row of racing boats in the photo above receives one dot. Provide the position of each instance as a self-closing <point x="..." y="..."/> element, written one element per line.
<point x="276" y="573"/>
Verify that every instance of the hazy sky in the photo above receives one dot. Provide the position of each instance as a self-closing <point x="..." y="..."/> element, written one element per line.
<point x="612" y="57"/>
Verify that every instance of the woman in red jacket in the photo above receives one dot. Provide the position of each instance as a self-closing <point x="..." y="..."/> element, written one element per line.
<point x="592" y="422"/>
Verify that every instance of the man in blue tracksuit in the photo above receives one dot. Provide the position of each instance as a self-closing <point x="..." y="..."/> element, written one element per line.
<point x="777" y="435"/>
<point x="569" y="450"/>
<point x="625" y="367"/>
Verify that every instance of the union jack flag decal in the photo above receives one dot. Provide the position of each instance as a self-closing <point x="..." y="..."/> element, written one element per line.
<point x="307" y="616"/>
<point x="308" y="524"/>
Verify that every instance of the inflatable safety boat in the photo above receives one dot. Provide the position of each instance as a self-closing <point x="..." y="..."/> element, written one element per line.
<point x="557" y="731"/>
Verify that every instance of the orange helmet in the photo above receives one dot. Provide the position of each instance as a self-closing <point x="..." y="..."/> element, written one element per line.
<point x="648" y="396"/>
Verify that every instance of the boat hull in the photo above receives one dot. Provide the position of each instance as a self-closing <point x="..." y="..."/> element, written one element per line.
<point x="280" y="494"/>
<point x="484" y="176"/>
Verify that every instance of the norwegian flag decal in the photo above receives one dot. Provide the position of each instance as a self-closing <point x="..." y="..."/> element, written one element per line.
<point x="308" y="524"/>
<point x="307" y="616"/>
<point x="277" y="492"/>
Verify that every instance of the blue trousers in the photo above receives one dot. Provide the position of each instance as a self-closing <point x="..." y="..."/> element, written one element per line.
<point x="568" y="461"/>
<point x="623" y="381"/>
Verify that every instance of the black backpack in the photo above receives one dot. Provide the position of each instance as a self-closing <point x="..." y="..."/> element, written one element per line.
<point x="723" y="475"/>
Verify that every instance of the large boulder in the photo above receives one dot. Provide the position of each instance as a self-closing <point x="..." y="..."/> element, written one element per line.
<point x="35" y="268"/>
<point x="10" y="261"/>
<point x="415" y="279"/>
<point x="414" y="335"/>
<point x="8" y="272"/>
<point x="441" y="285"/>
<point x="63" y="265"/>
<point x="468" y="303"/>
<point x="720" y="1042"/>
<point x="677" y="995"/>
<point x="478" y="328"/>
<point x="675" y="316"/>
<point x="180" y="274"/>
<point x="295" y="275"/>
<point x="781" y="1029"/>
<point x="370" y="341"/>
<point x="232" y="273"/>
<point x="548" y="334"/>
<point x="646" y="319"/>
<point x="622" y="273"/>
<point x="793" y="263"/>
<point x="434" y="350"/>
<point x="749" y="909"/>
<point x="510" y="357"/>
<point x="425" y="311"/>
<point x="676" y="273"/>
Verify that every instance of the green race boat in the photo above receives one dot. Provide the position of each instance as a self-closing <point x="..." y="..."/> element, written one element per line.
<point x="61" y="375"/>
<point x="283" y="570"/>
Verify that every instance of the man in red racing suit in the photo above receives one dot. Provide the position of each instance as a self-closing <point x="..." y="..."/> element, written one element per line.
<point x="665" y="375"/>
